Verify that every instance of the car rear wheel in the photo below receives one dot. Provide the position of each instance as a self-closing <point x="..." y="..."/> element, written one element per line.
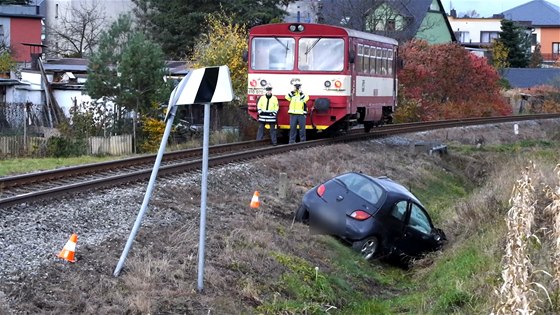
<point x="368" y="247"/>
<point x="301" y="214"/>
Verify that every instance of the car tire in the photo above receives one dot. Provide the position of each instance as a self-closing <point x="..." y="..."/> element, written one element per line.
<point x="300" y="215"/>
<point x="368" y="247"/>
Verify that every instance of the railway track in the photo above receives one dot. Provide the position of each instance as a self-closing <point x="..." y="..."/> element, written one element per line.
<point x="51" y="184"/>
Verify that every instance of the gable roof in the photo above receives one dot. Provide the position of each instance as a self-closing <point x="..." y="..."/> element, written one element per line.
<point x="530" y="77"/>
<point x="415" y="11"/>
<point x="539" y="12"/>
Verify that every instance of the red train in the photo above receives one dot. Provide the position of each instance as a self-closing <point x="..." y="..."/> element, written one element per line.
<point x="349" y="75"/>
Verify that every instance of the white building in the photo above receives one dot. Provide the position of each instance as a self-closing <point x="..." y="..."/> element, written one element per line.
<point x="475" y="30"/>
<point x="57" y="10"/>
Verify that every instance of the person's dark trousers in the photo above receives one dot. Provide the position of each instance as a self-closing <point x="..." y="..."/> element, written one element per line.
<point x="297" y="120"/>
<point x="260" y="132"/>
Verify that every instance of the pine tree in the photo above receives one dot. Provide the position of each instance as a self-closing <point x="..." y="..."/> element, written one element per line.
<point x="176" y="24"/>
<point x="517" y="42"/>
<point x="128" y="70"/>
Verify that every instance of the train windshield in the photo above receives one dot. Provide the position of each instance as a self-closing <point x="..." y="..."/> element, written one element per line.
<point x="321" y="54"/>
<point x="273" y="53"/>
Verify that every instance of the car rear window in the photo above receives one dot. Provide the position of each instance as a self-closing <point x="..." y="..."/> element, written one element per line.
<point x="362" y="187"/>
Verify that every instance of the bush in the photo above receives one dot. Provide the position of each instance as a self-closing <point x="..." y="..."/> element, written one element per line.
<point x="64" y="147"/>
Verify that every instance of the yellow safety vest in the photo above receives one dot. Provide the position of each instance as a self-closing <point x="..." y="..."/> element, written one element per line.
<point x="298" y="101"/>
<point x="267" y="108"/>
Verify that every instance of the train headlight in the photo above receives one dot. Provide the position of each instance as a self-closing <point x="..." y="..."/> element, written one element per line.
<point x="263" y="83"/>
<point x="327" y="84"/>
<point x="296" y="28"/>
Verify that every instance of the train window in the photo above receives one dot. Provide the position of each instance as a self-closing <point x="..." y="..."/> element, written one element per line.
<point x="365" y="65"/>
<point x="378" y="62"/>
<point x="272" y="53"/>
<point x="321" y="54"/>
<point x="360" y="58"/>
<point x="372" y="61"/>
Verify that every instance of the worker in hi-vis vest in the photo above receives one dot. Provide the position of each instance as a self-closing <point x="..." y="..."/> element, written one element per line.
<point x="267" y="108"/>
<point x="297" y="111"/>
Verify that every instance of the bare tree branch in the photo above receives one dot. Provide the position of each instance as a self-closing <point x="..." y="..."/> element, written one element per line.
<point x="77" y="32"/>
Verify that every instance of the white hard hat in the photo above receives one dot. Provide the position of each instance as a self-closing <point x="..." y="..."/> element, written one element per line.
<point x="268" y="87"/>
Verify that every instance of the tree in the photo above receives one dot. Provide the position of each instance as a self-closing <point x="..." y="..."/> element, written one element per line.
<point x="446" y="81"/>
<point x="7" y="62"/>
<point x="536" y="57"/>
<point x="224" y="44"/>
<point x="471" y="14"/>
<point x="176" y="24"/>
<point x="518" y="43"/>
<point x="127" y="70"/>
<point x="78" y="30"/>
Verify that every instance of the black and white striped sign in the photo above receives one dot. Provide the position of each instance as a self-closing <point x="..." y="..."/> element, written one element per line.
<point x="201" y="86"/>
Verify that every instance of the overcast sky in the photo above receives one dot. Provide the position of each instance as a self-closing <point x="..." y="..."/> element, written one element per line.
<point x="483" y="7"/>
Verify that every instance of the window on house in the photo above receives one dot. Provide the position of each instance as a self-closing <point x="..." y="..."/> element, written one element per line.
<point x="390" y="25"/>
<point x="487" y="37"/>
<point x="462" y="36"/>
<point x="555" y="50"/>
<point x="533" y="39"/>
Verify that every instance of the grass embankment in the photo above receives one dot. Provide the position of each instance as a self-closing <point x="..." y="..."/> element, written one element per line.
<point x="463" y="279"/>
<point x="28" y="165"/>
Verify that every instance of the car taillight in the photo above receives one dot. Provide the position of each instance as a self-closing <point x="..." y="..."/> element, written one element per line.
<point x="360" y="215"/>
<point x="321" y="190"/>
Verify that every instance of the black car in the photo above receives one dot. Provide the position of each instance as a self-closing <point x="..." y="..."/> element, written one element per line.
<point x="375" y="214"/>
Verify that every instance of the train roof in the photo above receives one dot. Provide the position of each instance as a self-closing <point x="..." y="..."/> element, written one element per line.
<point x="267" y="29"/>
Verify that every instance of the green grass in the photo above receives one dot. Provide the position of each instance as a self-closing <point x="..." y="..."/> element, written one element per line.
<point x="26" y="165"/>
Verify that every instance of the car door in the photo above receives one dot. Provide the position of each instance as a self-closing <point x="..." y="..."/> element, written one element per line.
<point x="417" y="237"/>
<point x="394" y="224"/>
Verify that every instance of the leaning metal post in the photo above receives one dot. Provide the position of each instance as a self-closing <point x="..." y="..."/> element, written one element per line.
<point x="149" y="190"/>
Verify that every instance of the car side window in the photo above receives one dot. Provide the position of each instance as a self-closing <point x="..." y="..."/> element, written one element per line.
<point x="399" y="210"/>
<point x="419" y="220"/>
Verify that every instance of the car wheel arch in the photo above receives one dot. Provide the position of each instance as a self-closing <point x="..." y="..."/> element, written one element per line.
<point x="364" y="247"/>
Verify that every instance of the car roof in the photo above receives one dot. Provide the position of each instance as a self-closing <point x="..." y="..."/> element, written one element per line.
<point x="392" y="187"/>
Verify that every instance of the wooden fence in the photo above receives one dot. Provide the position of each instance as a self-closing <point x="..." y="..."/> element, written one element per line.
<point x="18" y="146"/>
<point x="115" y="145"/>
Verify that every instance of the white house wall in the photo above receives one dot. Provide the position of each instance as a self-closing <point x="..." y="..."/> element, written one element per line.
<point x="474" y="26"/>
<point x="111" y="9"/>
<point x="65" y="99"/>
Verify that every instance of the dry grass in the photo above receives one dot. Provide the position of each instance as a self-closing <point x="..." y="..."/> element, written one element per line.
<point x="532" y="245"/>
<point x="516" y="295"/>
<point x="554" y="210"/>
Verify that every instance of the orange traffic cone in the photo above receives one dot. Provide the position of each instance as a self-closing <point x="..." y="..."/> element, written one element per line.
<point x="67" y="253"/>
<point x="255" y="200"/>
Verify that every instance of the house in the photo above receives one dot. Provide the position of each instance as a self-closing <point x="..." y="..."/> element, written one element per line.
<point x="66" y="82"/>
<point x="400" y="19"/>
<point x="545" y="19"/>
<point x="21" y="30"/>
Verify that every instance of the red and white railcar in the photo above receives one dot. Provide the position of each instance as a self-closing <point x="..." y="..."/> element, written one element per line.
<point x="349" y="75"/>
